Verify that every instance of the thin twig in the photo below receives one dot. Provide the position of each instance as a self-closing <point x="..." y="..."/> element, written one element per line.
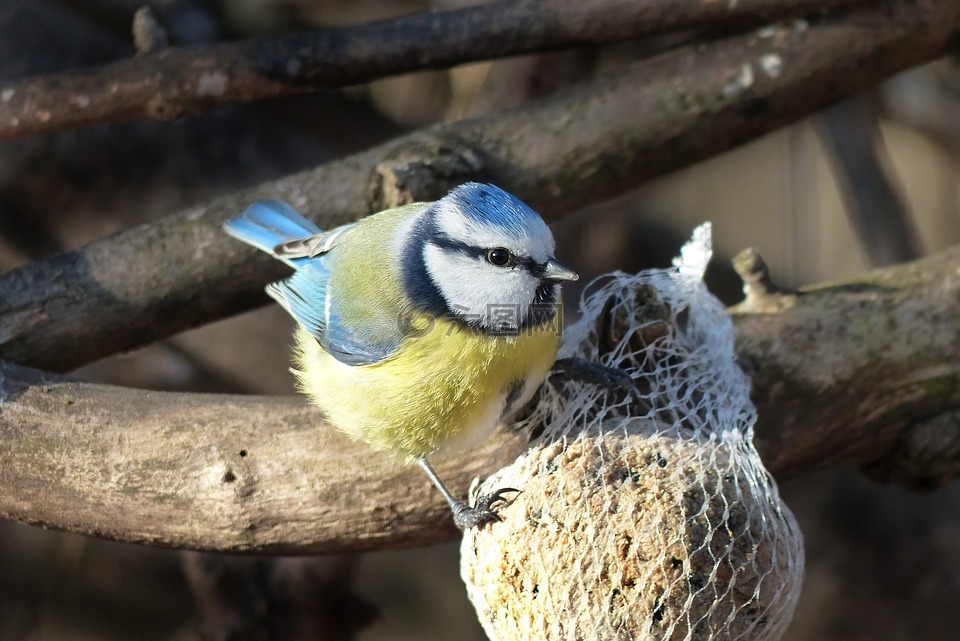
<point x="582" y="145"/>
<point x="177" y="82"/>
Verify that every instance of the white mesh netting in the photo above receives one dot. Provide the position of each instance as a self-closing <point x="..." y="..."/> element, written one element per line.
<point x="648" y="516"/>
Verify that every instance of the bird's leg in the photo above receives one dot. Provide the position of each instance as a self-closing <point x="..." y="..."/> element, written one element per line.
<point x="464" y="516"/>
<point x="589" y="372"/>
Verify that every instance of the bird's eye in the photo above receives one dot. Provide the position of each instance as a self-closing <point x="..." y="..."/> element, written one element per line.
<point x="498" y="256"/>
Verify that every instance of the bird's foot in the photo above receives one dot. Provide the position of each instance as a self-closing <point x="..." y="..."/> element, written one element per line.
<point x="594" y="373"/>
<point x="466" y="517"/>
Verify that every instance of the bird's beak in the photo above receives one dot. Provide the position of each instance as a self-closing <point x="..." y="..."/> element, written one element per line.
<point x="556" y="272"/>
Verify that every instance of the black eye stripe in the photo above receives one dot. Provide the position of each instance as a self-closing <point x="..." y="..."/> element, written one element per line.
<point x="445" y="242"/>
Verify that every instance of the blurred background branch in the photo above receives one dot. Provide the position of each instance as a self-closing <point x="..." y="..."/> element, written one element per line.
<point x="873" y="201"/>
<point x="639" y="122"/>
<point x="172" y="83"/>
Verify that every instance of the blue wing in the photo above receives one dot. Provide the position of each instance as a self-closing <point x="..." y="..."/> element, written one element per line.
<point x="307" y="298"/>
<point x="304" y="296"/>
<point x="275" y="228"/>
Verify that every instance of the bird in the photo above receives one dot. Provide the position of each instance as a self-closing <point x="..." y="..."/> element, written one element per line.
<point x="422" y="327"/>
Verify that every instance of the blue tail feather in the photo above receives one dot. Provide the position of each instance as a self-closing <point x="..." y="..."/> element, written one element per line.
<point x="267" y="224"/>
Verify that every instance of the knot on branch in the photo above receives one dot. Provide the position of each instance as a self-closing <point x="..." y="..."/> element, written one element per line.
<point x="758" y="288"/>
<point x="148" y="34"/>
<point x="424" y="169"/>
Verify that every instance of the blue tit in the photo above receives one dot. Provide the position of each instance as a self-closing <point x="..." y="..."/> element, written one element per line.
<point x="422" y="327"/>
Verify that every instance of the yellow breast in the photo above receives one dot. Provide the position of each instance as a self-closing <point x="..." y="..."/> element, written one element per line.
<point x="445" y="386"/>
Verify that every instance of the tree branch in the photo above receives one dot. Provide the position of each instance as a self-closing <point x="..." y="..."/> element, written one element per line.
<point x="925" y="102"/>
<point x="209" y="471"/>
<point x="185" y="81"/>
<point x="873" y="202"/>
<point x="155" y="280"/>
<point x="862" y="373"/>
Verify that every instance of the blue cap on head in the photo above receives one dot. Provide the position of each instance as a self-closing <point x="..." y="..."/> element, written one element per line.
<point x="489" y="205"/>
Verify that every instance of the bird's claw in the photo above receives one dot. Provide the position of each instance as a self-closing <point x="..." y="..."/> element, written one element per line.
<point x="466" y="517"/>
<point x="589" y="372"/>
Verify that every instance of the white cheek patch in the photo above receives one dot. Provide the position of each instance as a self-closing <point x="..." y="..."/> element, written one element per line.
<point x="479" y="292"/>
<point x="457" y="277"/>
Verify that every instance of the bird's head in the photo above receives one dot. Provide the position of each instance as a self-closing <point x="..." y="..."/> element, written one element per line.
<point x="485" y="259"/>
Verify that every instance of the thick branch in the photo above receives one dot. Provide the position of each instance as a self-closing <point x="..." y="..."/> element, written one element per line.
<point x="176" y="82"/>
<point x="580" y="146"/>
<point x="863" y="373"/>
<point x="208" y="471"/>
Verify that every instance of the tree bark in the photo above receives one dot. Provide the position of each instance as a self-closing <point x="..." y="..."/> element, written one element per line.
<point x="176" y="82"/>
<point x="582" y="145"/>
<point x="862" y="373"/>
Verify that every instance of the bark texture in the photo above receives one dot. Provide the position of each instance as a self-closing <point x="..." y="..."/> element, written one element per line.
<point x="166" y="83"/>
<point x="863" y="373"/>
